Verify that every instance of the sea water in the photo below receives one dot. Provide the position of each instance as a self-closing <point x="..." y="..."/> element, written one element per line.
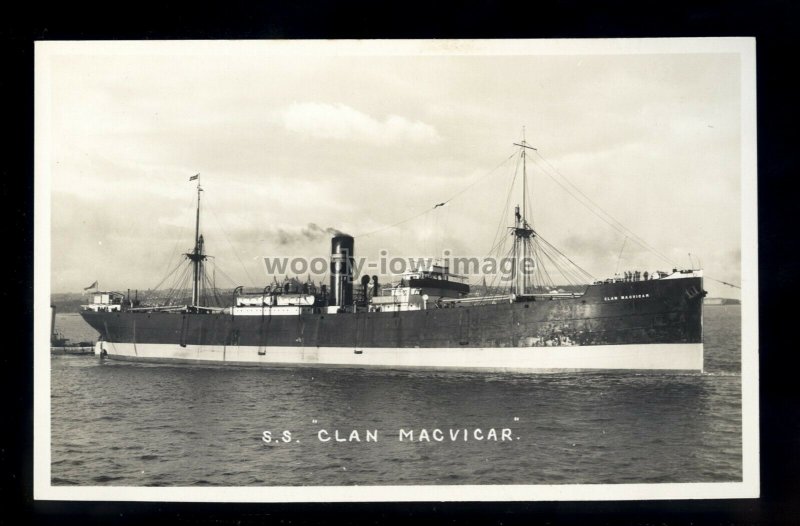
<point x="126" y="424"/>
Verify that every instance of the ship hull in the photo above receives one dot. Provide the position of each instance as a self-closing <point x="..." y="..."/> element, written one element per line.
<point x="643" y="357"/>
<point x="645" y="325"/>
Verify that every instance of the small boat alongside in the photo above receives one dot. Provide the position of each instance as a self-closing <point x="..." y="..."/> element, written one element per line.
<point x="62" y="345"/>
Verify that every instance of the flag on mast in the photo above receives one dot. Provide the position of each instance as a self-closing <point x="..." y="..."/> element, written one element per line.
<point x="92" y="286"/>
<point x="195" y="176"/>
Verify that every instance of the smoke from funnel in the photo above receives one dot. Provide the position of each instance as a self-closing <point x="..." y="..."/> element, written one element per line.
<point x="309" y="233"/>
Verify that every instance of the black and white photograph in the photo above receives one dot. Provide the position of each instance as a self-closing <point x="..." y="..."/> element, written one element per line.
<point x="378" y="270"/>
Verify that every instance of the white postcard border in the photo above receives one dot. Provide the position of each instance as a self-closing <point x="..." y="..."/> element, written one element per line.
<point x="748" y="488"/>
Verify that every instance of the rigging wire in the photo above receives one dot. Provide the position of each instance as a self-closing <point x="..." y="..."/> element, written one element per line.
<point x="550" y="283"/>
<point x="481" y="178"/>
<point x="499" y="241"/>
<point x="504" y="213"/>
<point x="181" y="231"/>
<point x="724" y="283"/>
<point x="550" y="245"/>
<point x="570" y="272"/>
<point x="620" y="229"/>
<point x="178" y="285"/>
<point x="210" y="286"/>
<point x="594" y="208"/>
<point x="157" y="287"/>
<point x="437" y="205"/>
<point x="227" y="238"/>
<point x="226" y="276"/>
<point x="610" y="219"/>
<point x="541" y="250"/>
<point x="619" y="258"/>
<point x="361" y="236"/>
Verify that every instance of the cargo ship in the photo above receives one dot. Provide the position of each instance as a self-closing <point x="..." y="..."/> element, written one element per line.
<point x="427" y="319"/>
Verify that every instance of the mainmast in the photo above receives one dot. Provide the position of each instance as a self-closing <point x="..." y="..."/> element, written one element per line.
<point x="521" y="231"/>
<point x="197" y="255"/>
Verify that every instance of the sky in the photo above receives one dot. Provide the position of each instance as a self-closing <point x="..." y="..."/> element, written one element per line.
<point x="289" y="145"/>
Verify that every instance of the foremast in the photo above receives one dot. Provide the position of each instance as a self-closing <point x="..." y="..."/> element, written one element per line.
<point x="197" y="256"/>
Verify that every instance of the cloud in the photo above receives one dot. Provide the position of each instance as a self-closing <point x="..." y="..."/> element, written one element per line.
<point x="341" y="122"/>
<point x="348" y="142"/>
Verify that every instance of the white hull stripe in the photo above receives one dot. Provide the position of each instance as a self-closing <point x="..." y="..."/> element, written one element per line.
<point x="662" y="356"/>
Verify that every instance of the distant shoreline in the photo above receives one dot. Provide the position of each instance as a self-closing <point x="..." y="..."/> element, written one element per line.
<point x="715" y="302"/>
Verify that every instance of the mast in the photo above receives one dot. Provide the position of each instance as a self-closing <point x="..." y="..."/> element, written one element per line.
<point x="524" y="175"/>
<point x="197" y="256"/>
<point x="521" y="231"/>
<point x="197" y="251"/>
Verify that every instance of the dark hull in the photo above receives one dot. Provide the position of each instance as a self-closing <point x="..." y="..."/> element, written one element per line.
<point x="665" y="311"/>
